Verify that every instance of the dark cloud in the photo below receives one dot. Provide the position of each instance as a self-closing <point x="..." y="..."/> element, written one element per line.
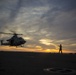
<point x="63" y="4"/>
<point x="60" y="20"/>
<point x="15" y="10"/>
<point x="41" y="19"/>
<point x="11" y="7"/>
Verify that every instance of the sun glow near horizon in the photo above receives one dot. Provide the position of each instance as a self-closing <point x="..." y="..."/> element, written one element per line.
<point x="21" y="49"/>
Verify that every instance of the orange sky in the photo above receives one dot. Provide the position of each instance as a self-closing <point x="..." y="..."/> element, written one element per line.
<point x="7" y="48"/>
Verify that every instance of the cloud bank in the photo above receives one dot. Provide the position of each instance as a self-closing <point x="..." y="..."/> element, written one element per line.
<point x="43" y="20"/>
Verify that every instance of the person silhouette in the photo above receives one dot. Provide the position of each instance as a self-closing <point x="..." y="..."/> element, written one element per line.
<point x="60" y="48"/>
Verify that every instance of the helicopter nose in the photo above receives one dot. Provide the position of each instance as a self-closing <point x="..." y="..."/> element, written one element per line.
<point x="24" y="41"/>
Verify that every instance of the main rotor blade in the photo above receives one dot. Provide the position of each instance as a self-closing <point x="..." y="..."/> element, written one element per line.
<point x="10" y="33"/>
<point x="5" y="33"/>
<point x="14" y="32"/>
<point x="19" y="34"/>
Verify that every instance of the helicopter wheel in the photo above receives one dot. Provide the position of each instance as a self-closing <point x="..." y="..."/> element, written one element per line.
<point x="22" y="45"/>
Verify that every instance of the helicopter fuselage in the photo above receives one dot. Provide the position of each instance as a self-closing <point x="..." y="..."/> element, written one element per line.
<point x="18" y="43"/>
<point x="14" y="40"/>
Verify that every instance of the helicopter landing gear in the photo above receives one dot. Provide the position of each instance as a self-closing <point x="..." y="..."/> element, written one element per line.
<point x="22" y="45"/>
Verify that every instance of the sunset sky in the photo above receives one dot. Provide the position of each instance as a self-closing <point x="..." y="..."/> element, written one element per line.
<point x="44" y="23"/>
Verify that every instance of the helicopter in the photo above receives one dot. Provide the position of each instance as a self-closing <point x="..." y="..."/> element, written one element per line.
<point x="15" y="40"/>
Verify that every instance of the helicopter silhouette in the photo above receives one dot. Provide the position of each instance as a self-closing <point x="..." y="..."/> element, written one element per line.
<point x="15" y="40"/>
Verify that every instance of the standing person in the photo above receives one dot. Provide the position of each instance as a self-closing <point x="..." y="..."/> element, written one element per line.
<point x="60" y="48"/>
